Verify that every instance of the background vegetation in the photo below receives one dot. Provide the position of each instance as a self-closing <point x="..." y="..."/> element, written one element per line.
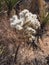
<point x="12" y="42"/>
<point x="9" y="4"/>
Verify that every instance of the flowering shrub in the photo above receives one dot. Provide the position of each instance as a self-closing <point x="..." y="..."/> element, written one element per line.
<point x="27" y="21"/>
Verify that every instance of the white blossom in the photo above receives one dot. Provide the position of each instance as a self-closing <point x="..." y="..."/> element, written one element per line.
<point x="14" y="20"/>
<point x="29" y="29"/>
<point x="26" y="19"/>
<point x="18" y="27"/>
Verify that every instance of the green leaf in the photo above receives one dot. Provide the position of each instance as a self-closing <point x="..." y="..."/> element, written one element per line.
<point x="0" y="6"/>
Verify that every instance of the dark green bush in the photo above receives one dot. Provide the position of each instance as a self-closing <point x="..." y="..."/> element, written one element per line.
<point x="0" y="6"/>
<point x="10" y="4"/>
<point x="45" y="20"/>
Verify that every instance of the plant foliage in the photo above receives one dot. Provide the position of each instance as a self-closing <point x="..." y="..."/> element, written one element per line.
<point x="0" y="6"/>
<point x="45" y="20"/>
<point x="10" y="3"/>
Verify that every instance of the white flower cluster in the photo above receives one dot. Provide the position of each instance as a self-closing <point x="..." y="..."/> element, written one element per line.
<point x="25" y="19"/>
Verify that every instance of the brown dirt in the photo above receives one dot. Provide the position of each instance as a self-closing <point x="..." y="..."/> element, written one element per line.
<point x="17" y="47"/>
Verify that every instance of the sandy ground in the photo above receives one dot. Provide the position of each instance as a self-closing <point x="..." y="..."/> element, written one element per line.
<point x="12" y="39"/>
